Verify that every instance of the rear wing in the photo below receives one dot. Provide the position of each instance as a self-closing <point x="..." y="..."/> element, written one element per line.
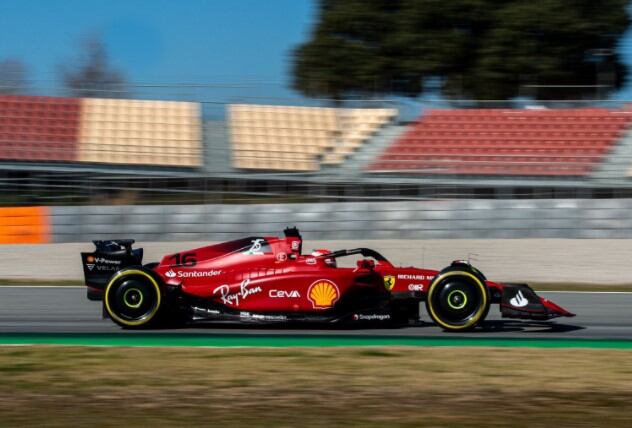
<point x="108" y="258"/>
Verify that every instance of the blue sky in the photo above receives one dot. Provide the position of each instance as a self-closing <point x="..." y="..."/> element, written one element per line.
<point x="241" y="45"/>
<point x="244" y="42"/>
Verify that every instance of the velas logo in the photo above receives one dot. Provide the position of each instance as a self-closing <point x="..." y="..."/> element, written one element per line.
<point x="323" y="294"/>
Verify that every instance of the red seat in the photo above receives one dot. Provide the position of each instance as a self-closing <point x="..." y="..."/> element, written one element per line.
<point x="506" y="142"/>
<point x="39" y="128"/>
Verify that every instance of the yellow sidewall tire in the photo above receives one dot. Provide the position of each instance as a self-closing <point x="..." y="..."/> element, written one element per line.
<point x="128" y="323"/>
<point x="475" y="319"/>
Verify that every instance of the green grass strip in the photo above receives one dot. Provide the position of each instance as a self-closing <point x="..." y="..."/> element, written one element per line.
<point x="282" y="341"/>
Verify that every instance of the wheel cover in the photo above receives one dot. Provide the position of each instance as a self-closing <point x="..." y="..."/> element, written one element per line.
<point x="132" y="297"/>
<point x="457" y="300"/>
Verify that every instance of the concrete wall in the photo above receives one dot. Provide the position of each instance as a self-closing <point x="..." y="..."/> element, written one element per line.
<point x="436" y="219"/>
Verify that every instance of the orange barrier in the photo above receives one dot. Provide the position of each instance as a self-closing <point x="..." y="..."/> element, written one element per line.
<point x="24" y="225"/>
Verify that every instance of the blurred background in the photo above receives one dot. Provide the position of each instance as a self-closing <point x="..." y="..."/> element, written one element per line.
<point x="392" y="119"/>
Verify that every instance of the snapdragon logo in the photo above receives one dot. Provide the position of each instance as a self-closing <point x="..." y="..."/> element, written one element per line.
<point x="371" y="317"/>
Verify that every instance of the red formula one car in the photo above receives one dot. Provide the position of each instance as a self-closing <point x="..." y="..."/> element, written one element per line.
<point x="270" y="280"/>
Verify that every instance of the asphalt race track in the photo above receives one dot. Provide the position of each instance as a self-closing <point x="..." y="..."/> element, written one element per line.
<point x="66" y="310"/>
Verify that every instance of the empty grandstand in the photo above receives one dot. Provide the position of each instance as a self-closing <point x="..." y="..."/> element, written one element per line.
<point x="43" y="129"/>
<point x="130" y="132"/>
<point x="559" y="142"/>
<point x="299" y="138"/>
<point x="304" y="153"/>
<point x="138" y="132"/>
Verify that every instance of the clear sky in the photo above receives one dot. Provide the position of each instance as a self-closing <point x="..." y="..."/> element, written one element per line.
<point x="239" y="46"/>
<point x="244" y="44"/>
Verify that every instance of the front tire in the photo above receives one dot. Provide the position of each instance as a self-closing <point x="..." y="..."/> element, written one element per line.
<point x="457" y="300"/>
<point x="133" y="299"/>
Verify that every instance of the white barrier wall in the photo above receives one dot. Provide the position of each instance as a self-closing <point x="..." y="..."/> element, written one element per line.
<point x="432" y="219"/>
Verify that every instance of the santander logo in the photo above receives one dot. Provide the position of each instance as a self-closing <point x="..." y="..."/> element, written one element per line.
<point x="519" y="300"/>
<point x="192" y="274"/>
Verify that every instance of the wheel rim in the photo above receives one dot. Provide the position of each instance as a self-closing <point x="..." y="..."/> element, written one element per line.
<point x="456" y="301"/>
<point x="132" y="300"/>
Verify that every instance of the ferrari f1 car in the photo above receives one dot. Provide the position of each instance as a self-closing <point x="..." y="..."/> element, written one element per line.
<point x="270" y="280"/>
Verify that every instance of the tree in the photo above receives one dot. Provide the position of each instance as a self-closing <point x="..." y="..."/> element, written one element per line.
<point x="93" y="77"/>
<point x="13" y="77"/>
<point x="478" y="49"/>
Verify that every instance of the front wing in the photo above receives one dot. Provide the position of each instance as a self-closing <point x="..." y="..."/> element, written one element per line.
<point x="520" y="301"/>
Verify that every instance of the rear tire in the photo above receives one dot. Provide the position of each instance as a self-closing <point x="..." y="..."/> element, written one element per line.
<point x="457" y="299"/>
<point x="133" y="299"/>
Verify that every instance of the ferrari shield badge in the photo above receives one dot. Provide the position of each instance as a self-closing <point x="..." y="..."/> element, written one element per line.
<point x="389" y="282"/>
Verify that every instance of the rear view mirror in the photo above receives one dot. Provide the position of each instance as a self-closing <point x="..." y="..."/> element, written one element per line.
<point x="365" y="264"/>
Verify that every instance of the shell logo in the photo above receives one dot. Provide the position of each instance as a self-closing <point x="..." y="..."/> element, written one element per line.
<point x="323" y="294"/>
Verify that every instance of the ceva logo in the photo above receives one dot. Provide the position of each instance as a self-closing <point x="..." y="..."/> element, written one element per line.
<point x="279" y="294"/>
